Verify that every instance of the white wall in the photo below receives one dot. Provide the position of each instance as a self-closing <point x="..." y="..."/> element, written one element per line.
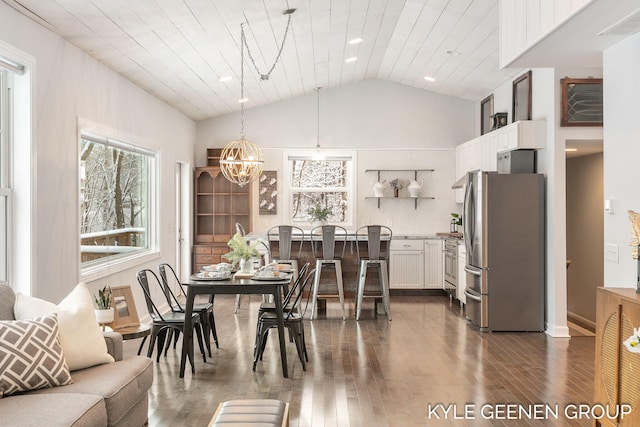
<point x="621" y="154"/>
<point x="68" y="85"/>
<point x="390" y="125"/>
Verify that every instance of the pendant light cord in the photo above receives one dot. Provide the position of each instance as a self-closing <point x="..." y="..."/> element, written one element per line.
<point x="318" y="113"/>
<point x="266" y="76"/>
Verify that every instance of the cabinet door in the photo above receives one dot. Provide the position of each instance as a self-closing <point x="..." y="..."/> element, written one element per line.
<point x="490" y="153"/>
<point x="433" y="264"/>
<point x="406" y="269"/>
<point x="607" y="350"/>
<point x="629" y="386"/>
<point x="462" y="276"/>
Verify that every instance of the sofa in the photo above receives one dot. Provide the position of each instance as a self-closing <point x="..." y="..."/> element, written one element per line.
<point x="109" y="394"/>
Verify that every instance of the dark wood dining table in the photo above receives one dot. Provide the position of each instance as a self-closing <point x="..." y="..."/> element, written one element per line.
<point x="232" y="286"/>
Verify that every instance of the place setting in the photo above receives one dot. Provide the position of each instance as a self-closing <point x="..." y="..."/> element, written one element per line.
<point x="222" y="271"/>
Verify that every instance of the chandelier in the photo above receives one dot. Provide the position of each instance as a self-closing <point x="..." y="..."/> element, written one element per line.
<point x="241" y="160"/>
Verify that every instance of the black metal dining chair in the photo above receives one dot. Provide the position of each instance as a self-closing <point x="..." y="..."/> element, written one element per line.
<point x="377" y="239"/>
<point x="293" y="320"/>
<point x="205" y="310"/>
<point x="286" y="302"/>
<point x="329" y="236"/>
<point x="161" y="323"/>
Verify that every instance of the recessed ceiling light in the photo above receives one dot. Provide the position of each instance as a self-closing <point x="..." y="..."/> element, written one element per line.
<point x="355" y="41"/>
<point x="242" y="100"/>
<point x="453" y="52"/>
<point x="352" y="59"/>
<point x="225" y="79"/>
<point x="570" y="149"/>
<point x="429" y="79"/>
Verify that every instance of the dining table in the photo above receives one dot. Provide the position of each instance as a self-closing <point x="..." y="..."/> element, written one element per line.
<point x="233" y="286"/>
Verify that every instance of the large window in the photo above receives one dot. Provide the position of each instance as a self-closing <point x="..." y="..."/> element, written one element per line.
<point x="116" y="200"/>
<point x="326" y="182"/>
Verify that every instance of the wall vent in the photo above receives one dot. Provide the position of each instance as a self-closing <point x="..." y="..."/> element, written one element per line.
<point x="627" y="26"/>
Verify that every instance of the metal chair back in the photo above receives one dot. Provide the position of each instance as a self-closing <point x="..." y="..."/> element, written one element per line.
<point x="143" y="280"/>
<point x="296" y="303"/>
<point x="375" y="236"/>
<point x="329" y="239"/>
<point x="285" y="240"/>
<point x="166" y="287"/>
<point x="296" y="284"/>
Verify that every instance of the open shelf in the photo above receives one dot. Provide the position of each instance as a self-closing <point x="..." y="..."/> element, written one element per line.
<point x="415" y="199"/>
<point x="415" y="177"/>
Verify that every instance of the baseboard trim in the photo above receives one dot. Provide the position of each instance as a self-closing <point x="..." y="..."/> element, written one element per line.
<point x="417" y="292"/>
<point x="581" y="321"/>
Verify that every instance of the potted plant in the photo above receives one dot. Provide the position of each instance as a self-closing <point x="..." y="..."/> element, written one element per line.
<point x="319" y="215"/>
<point x="104" y="302"/>
<point x="241" y="252"/>
<point x="397" y="184"/>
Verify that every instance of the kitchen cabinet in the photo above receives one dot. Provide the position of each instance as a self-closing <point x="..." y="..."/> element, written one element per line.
<point x="481" y="153"/>
<point x="616" y="368"/>
<point x="433" y="264"/>
<point x="385" y="174"/>
<point x="218" y="205"/>
<point x="406" y="264"/>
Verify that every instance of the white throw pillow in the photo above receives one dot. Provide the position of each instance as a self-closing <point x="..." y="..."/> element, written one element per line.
<point x="80" y="334"/>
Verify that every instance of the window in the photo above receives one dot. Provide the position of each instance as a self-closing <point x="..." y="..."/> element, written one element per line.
<point x="5" y="161"/>
<point x="326" y="182"/>
<point x="116" y="201"/>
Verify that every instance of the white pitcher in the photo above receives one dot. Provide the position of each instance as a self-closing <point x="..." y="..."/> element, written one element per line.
<point x="378" y="188"/>
<point x="414" y="188"/>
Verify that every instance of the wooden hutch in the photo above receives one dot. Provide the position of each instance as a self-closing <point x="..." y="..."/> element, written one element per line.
<point x="218" y="205"/>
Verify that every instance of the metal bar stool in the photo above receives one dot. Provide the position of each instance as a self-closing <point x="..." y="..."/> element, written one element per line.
<point x="375" y="235"/>
<point x="284" y="235"/>
<point x="328" y="258"/>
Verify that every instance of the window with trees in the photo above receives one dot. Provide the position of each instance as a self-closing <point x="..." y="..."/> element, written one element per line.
<point x="116" y="181"/>
<point x="325" y="183"/>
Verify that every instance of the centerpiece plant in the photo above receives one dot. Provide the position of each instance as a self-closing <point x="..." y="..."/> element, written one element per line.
<point x="241" y="250"/>
<point x="319" y="213"/>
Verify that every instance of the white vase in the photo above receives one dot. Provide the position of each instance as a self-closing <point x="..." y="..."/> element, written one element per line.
<point x="378" y="189"/>
<point x="246" y="266"/>
<point x="104" y="316"/>
<point x="414" y="188"/>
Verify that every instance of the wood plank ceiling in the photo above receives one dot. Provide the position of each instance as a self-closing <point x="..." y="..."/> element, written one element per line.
<point x="179" y="50"/>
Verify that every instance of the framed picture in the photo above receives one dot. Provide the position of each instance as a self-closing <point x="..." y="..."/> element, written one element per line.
<point x="522" y="98"/>
<point x="268" y="204"/>
<point x="124" y="308"/>
<point x="581" y="102"/>
<point x="486" y="111"/>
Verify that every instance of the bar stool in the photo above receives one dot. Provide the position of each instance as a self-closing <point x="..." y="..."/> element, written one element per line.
<point x="328" y="257"/>
<point x="284" y="234"/>
<point x="376" y="258"/>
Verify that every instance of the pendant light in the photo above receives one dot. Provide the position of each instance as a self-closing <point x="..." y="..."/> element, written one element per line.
<point x="241" y="160"/>
<point x="317" y="155"/>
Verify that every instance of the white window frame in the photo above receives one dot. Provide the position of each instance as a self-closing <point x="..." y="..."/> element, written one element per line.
<point x="326" y="154"/>
<point x="5" y="172"/>
<point x="97" y="133"/>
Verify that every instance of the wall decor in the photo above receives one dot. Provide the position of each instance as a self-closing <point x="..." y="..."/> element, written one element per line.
<point x="581" y="102"/>
<point x="486" y="112"/>
<point x="522" y="98"/>
<point x="268" y="193"/>
<point x="124" y="313"/>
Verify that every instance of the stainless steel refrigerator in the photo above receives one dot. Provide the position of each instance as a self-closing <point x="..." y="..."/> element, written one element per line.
<point x="504" y="237"/>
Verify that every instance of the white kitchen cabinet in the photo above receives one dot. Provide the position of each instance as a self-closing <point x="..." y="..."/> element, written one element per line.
<point x="406" y="264"/>
<point x="462" y="275"/>
<point x="433" y="264"/>
<point x="524" y="134"/>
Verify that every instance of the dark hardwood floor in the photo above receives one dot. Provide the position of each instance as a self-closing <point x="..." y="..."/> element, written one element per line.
<point x="380" y="373"/>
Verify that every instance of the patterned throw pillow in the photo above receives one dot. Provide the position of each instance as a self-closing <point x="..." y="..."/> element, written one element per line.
<point x="31" y="356"/>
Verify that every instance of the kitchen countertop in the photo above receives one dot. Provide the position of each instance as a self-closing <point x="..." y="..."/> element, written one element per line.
<point x="426" y="236"/>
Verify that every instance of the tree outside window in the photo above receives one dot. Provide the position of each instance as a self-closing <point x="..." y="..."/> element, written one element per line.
<point x="114" y="200"/>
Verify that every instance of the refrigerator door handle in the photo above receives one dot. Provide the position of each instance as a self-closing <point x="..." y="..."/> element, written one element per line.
<point x="473" y="271"/>
<point x="470" y="294"/>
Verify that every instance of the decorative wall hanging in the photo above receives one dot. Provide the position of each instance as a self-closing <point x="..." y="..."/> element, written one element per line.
<point x="581" y="102"/>
<point x="268" y="193"/>
<point x="486" y="112"/>
<point x="522" y="98"/>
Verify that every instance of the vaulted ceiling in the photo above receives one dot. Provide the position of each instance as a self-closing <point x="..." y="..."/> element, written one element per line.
<point x="179" y="50"/>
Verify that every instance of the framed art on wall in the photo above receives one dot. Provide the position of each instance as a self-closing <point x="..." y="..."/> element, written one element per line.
<point x="522" y="98"/>
<point x="268" y="204"/>
<point x="486" y="111"/>
<point x="581" y="102"/>
<point x="124" y="308"/>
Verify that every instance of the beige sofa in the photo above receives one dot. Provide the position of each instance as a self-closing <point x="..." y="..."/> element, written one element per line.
<point x="113" y="394"/>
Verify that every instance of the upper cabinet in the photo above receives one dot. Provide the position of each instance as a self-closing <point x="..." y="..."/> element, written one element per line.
<point x="481" y="153"/>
